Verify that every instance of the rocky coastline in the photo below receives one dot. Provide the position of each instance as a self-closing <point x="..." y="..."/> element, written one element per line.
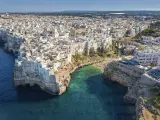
<point x="63" y="74"/>
<point x="29" y="72"/>
<point x="137" y="93"/>
<point x="51" y="75"/>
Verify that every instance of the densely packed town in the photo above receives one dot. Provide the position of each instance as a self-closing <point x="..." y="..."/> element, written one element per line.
<point x="43" y="44"/>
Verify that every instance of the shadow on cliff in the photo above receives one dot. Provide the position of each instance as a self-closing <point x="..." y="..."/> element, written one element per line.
<point x="110" y="95"/>
<point x="32" y="94"/>
<point x="8" y="93"/>
<point x="22" y="93"/>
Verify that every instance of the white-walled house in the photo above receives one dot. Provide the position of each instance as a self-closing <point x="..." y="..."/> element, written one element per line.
<point x="147" y="56"/>
<point x="158" y="65"/>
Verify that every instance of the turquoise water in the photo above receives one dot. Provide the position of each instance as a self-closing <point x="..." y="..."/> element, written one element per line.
<point x="87" y="98"/>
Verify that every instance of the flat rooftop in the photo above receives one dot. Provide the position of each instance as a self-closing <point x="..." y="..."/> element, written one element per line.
<point x="134" y="63"/>
<point x="129" y="62"/>
<point x="155" y="73"/>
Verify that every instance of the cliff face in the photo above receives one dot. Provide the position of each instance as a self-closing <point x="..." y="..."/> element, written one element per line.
<point x="27" y="69"/>
<point x="63" y="74"/>
<point x="27" y="72"/>
<point x="145" y="111"/>
<point x="137" y="94"/>
<point x="112" y="73"/>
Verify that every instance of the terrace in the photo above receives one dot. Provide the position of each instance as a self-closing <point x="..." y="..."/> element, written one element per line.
<point x="155" y="73"/>
<point x="135" y="64"/>
<point x="130" y="62"/>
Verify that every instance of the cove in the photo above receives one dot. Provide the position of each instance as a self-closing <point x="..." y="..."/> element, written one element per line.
<point x="88" y="97"/>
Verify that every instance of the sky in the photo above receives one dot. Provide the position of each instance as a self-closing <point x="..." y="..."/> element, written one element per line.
<point x="67" y="5"/>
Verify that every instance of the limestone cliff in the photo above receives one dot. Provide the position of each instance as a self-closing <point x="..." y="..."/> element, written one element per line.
<point x="137" y="94"/>
<point x="27" y="70"/>
<point x="145" y="110"/>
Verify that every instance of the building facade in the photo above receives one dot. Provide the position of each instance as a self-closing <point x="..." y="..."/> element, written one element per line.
<point x="132" y="68"/>
<point x="149" y="56"/>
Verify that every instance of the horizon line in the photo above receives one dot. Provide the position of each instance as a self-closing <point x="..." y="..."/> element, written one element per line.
<point x="58" y="11"/>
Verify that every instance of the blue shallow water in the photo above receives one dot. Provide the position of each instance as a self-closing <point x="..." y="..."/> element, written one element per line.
<point x="87" y="98"/>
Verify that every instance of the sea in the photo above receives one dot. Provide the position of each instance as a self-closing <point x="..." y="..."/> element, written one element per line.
<point x="88" y="97"/>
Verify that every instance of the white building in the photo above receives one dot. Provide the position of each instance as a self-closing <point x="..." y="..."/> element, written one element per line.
<point x="132" y="68"/>
<point x="147" y="56"/>
<point x="158" y="66"/>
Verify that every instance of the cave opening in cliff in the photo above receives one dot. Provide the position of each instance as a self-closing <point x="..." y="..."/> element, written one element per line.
<point x="27" y="93"/>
